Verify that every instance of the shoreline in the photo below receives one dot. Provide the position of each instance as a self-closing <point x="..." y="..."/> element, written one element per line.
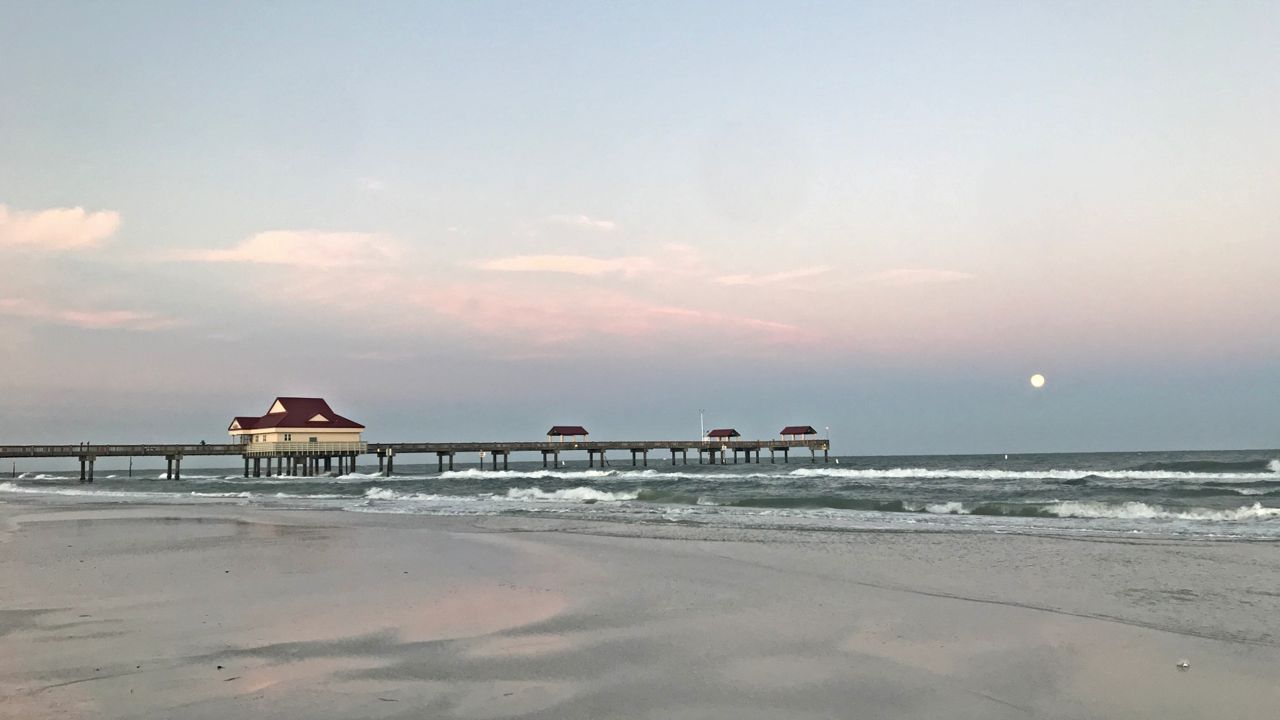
<point x="125" y="610"/>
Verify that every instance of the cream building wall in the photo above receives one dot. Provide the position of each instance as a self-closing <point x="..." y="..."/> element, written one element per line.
<point x="298" y="435"/>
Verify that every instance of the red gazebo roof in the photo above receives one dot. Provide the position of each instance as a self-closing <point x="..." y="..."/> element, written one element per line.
<point x="296" y="412"/>
<point x="566" y="431"/>
<point x="798" y="430"/>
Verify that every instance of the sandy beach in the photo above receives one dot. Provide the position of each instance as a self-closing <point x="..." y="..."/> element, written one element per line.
<point x="114" y="610"/>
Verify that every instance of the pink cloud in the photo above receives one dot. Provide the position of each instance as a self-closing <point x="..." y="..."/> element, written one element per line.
<point x="916" y="276"/>
<point x="56" y="228"/>
<point x="568" y="264"/>
<point x="773" y="278"/>
<point x="584" y="221"/>
<point x="304" y="248"/>
<point x="87" y="319"/>
<point x="565" y="316"/>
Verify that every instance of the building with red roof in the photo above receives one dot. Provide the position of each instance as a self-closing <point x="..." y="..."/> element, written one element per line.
<point x="724" y="434"/>
<point x="567" y="431"/>
<point x="294" y="424"/>
<point x="797" y="431"/>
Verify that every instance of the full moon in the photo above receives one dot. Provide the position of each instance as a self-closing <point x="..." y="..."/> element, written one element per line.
<point x="1037" y="381"/>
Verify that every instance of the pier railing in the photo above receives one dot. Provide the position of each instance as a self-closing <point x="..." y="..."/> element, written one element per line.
<point x="110" y="450"/>
<point x="304" y="448"/>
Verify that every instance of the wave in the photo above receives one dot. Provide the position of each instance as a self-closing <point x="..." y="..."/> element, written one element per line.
<point x="53" y="490"/>
<point x="84" y="492"/>
<point x="1058" y="509"/>
<point x="474" y="474"/>
<point x="1212" y="466"/>
<point x="381" y="493"/>
<point x="817" y="502"/>
<point x="530" y="494"/>
<point x="1104" y="510"/>
<point x="1177" y="490"/>
<point x="1071" y="476"/>
<point x="578" y="494"/>
<point x="1143" y="511"/>
<point x="670" y="497"/>
<point x="152" y="494"/>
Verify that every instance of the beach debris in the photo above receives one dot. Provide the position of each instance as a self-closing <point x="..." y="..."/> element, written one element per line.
<point x="1184" y="665"/>
<point x="219" y="667"/>
<point x="234" y="677"/>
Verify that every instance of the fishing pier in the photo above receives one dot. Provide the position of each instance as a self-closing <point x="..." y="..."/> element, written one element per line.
<point x="305" y="459"/>
<point x="304" y="437"/>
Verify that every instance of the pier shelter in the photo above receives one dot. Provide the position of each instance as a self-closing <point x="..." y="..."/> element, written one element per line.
<point x="302" y="436"/>
<point x="797" y="432"/>
<point x="724" y="434"/>
<point x="576" y="433"/>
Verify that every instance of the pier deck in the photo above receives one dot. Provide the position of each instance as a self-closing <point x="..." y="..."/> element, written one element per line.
<point x="304" y="460"/>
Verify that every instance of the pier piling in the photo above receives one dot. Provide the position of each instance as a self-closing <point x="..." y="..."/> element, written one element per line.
<point x="86" y="468"/>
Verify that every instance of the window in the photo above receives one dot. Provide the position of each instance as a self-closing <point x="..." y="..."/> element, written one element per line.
<point x="312" y="440"/>
<point x="288" y="437"/>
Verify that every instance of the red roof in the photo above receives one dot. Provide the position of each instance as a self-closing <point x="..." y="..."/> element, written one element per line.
<point x="724" y="433"/>
<point x="298" y="412"/>
<point x="566" y="430"/>
<point x="798" y="430"/>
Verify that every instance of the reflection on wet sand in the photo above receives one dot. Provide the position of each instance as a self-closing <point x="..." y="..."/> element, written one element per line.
<point x="237" y="613"/>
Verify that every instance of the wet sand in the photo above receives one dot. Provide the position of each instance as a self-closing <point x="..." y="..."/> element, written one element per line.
<point x="110" y="610"/>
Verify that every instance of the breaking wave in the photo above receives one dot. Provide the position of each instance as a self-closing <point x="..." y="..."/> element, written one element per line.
<point x="530" y="494"/>
<point x="578" y="494"/>
<point x="1265" y="471"/>
<point x="1102" y="510"/>
<point x="1216" y="467"/>
<point x="475" y="474"/>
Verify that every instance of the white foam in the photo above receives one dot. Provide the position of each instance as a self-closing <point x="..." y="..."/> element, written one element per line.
<point x="947" y="508"/>
<point x="965" y="474"/>
<point x="12" y="488"/>
<point x="280" y="495"/>
<point x="223" y="495"/>
<point x="578" y="494"/>
<point x="1143" y="511"/>
<point x="379" y="493"/>
<point x="475" y="474"/>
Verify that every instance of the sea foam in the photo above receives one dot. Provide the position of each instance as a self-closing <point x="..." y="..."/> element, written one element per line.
<point x="1068" y="474"/>
<point x="578" y="494"/>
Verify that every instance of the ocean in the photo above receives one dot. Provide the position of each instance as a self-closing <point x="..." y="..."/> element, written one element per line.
<point x="1229" y="494"/>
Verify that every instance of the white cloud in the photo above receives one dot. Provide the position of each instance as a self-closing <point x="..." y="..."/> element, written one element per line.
<point x="371" y="184"/>
<point x="584" y="221"/>
<point x="87" y="319"/>
<point x="304" y="248"/>
<point x="916" y="276"/>
<point x="772" y="278"/>
<point x="570" y="264"/>
<point x="56" y="228"/>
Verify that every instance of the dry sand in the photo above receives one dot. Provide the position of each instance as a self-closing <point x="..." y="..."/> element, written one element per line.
<point x="222" y="611"/>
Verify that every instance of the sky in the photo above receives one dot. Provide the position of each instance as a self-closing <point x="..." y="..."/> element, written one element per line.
<point x="470" y="221"/>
